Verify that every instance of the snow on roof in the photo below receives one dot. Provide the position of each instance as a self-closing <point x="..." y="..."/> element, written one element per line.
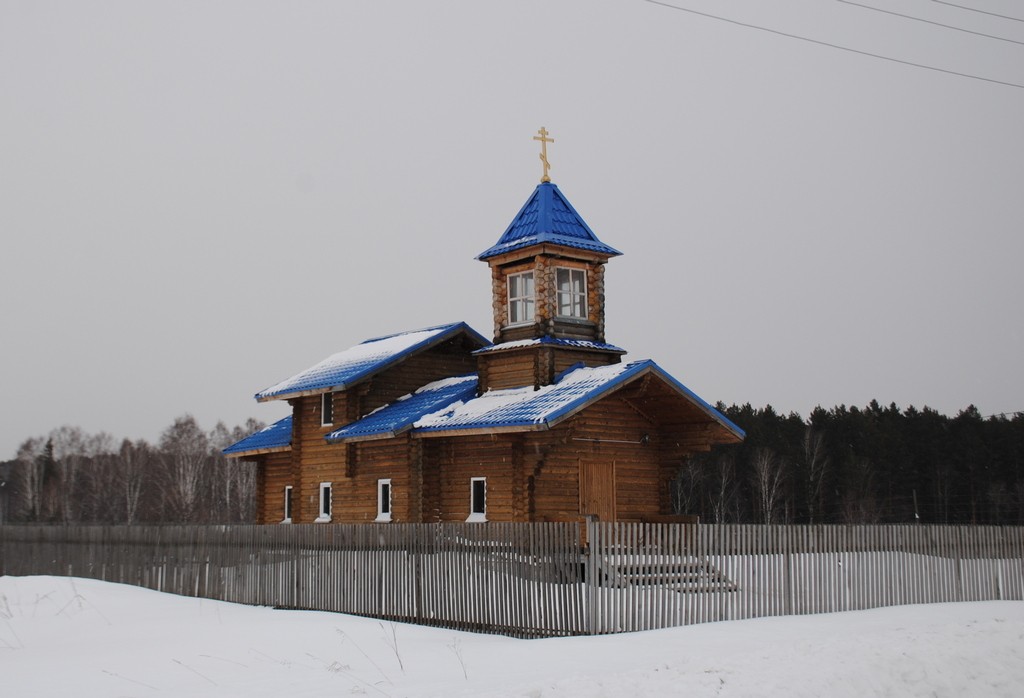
<point x="525" y="407"/>
<point x="552" y="341"/>
<point x="363" y="360"/>
<point x="276" y="437"/>
<point x="399" y="415"/>
<point x="547" y="216"/>
<point x="528" y="408"/>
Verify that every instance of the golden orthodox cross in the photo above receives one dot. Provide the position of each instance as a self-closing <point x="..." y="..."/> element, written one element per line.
<point x="544" y="140"/>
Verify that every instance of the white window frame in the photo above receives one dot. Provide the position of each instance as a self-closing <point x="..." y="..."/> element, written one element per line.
<point x="477" y="516"/>
<point x="526" y="302"/>
<point x="321" y="516"/>
<point x="326" y="399"/>
<point x="287" y="505"/>
<point x="382" y="515"/>
<point x="573" y="296"/>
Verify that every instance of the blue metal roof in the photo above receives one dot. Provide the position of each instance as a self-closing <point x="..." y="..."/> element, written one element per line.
<point x="399" y="416"/>
<point x="345" y="368"/>
<point x="526" y="408"/>
<point x="548" y="340"/>
<point x="548" y="217"/>
<point x="276" y="437"/>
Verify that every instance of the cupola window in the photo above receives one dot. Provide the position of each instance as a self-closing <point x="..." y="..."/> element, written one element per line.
<point x="572" y="292"/>
<point x="521" y="300"/>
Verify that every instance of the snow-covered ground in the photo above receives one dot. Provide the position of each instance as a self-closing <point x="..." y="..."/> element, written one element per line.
<point x="83" y="638"/>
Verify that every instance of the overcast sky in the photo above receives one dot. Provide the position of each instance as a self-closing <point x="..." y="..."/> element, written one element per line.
<point x="200" y="199"/>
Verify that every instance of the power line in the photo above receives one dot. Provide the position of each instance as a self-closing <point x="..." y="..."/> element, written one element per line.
<point x="836" y="46"/>
<point x="928" y="21"/>
<point x="975" y="9"/>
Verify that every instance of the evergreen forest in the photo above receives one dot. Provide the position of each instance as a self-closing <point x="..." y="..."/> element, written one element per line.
<point x="851" y="465"/>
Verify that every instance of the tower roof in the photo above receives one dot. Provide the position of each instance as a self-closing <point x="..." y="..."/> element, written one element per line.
<point x="548" y="217"/>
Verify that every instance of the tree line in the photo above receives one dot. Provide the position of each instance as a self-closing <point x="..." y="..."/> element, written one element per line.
<point x="71" y="477"/>
<point x="850" y="465"/>
<point x="842" y="465"/>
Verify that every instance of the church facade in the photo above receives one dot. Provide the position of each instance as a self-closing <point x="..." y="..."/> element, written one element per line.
<point x="547" y="422"/>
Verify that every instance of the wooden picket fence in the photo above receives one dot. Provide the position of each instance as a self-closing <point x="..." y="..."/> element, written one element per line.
<point x="544" y="579"/>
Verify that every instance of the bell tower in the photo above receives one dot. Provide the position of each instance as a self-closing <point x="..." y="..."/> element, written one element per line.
<point x="547" y="286"/>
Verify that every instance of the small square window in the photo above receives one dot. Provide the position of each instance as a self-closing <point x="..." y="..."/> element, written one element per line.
<point x="327" y="409"/>
<point x="287" y="505"/>
<point x="325" y="503"/>
<point x="521" y="298"/>
<point x="477" y="499"/>
<point x="383" y="500"/>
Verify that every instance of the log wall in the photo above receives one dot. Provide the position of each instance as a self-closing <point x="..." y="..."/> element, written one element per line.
<point x="314" y="461"/>
<point x="274" y="474"/>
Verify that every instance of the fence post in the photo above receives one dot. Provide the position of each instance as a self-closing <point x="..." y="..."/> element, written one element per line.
<point x="590" y="581"/>
<point x="788" y="568"/>
<point x="957" y="542"/>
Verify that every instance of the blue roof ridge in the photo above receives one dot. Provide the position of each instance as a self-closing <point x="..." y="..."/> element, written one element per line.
<point x="447" y="326"/>
<point x="444" y="332"/>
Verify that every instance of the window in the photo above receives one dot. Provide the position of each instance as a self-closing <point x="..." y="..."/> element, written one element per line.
<point x="327" y="409"/>
<point x="325" y="503"/>
<point x="287" y="505"/>
<point x="477" y="499"/>
<point x="521" y="300"/>
<point x="383" y="500"/>
<point x="572" y="292"/>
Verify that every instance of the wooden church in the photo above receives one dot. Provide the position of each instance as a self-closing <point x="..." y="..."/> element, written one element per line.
<point x="547" y="423"/>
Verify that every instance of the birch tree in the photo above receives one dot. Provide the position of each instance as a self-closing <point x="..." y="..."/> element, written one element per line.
<point x="816" y="463"/>
<point x="769" y="474"/>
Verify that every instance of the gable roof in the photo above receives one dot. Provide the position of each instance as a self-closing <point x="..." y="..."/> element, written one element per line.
<point x="523" y="409"/>
<point x="345" y="368"/>
<point x="547" y="216"/>
<point x="276" y="437"/>
<point x="399" y="416"/>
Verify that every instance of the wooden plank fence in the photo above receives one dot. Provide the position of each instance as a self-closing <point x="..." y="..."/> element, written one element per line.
<point x="539" y="580"/>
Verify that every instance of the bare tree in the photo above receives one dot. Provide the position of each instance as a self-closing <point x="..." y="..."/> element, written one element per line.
<point x="816" y="462"/>
<point x="722" y="484"/>
<point x="133" y="464"/>
<point x="31" y="475"/>
<point x="185" y="448"/>
<point x="769" y="475"/>
<point x="686" y="487"/>
<point x="69" y="452"/>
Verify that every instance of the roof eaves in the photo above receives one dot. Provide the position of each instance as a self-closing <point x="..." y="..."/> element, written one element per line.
<point x="257" y="451"/>
<point x="373" y="436"/>
<point x="700" y="403"/>
<point x="470" y="429"/>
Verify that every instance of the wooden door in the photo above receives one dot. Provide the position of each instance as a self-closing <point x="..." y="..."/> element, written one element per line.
<point x="597" y="489"/>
